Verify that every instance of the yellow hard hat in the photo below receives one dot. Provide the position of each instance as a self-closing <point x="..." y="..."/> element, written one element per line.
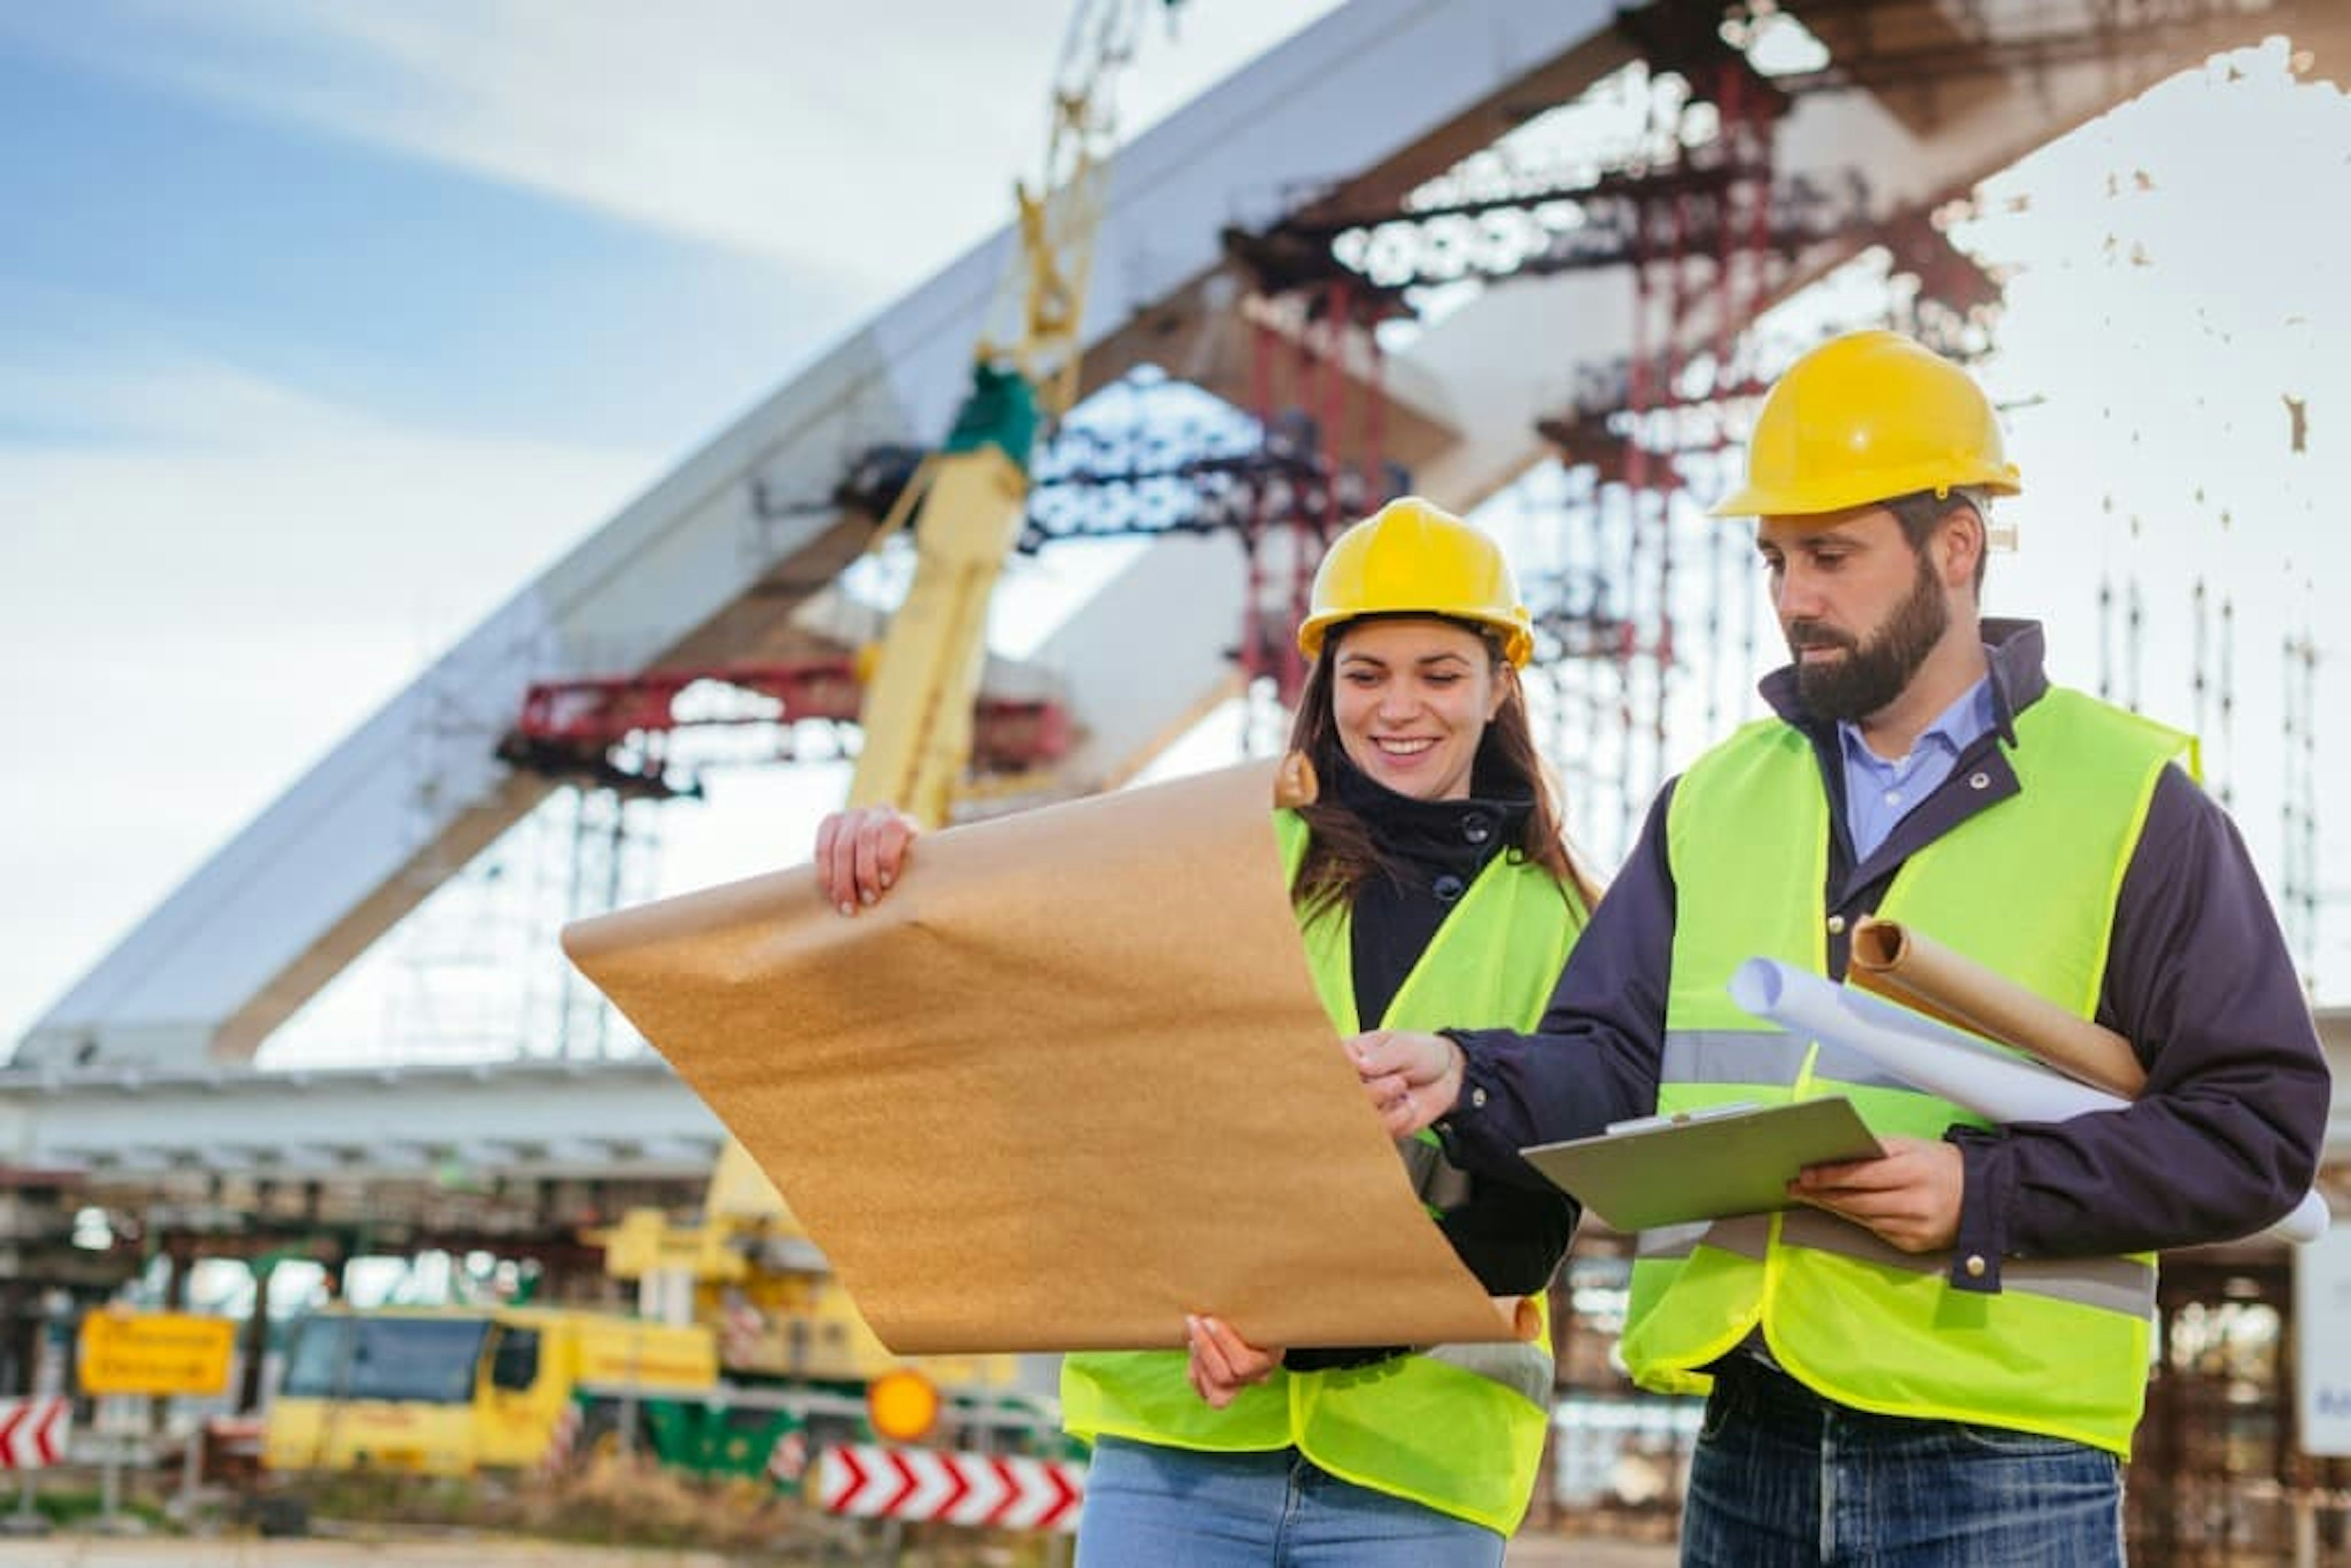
<point x="1411" y="558"/>
<point x="1866" y="417"/>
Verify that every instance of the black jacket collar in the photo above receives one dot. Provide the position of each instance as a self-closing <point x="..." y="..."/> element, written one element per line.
<point x="1439" y="834"/>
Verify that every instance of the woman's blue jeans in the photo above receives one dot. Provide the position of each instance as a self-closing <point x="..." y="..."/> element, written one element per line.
<point x="1782" y="1477"/>
<point x="1149" y="1507"/>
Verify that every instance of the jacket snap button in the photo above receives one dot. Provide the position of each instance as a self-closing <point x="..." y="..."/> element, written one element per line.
<point x="1447" y="888"/>
<point x="1477" y="829"/>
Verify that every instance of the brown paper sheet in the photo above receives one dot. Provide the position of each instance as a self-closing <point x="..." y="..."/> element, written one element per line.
<point x="1907" y="967"/>
<point x="1067" y="1082"/>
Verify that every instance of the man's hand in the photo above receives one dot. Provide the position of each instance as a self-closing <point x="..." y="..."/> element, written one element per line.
<point x="1223" y="1363"/>
<point x="1412" y="1079"/>
<point x="1910" y="1198"/>
<point x="860" y="853"/>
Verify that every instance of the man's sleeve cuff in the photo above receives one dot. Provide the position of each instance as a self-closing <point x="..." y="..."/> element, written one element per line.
<point x="1982" y="1237"/>
<point x="1476" y="1088"/>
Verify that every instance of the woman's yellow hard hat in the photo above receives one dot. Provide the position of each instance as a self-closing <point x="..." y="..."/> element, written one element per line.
<point x="1413" y="557"/>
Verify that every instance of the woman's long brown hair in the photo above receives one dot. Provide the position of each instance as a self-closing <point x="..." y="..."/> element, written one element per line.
<point x="1341" y="853"/>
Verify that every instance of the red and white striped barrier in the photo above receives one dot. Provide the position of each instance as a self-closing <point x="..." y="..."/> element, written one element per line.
<point x="33" y="1432"/>
<point x="985" y="1491"/>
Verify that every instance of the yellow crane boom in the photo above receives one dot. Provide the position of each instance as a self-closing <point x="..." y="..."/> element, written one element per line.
<point x="969" y="498"/>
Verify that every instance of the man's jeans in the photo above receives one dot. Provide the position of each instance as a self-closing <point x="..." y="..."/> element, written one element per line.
<point x="1149" y="1507"/>
<point x="1782" y="1477"/>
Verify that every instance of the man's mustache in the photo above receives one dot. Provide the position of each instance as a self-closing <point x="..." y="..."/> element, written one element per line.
<point x="1802" y="635"/>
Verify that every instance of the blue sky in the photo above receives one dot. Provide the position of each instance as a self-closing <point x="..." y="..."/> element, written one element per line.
<point x="182" y="224"/>
<point x="323" y="327"/>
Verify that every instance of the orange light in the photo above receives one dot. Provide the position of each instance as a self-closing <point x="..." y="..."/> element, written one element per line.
<point x="904" y="1406"/>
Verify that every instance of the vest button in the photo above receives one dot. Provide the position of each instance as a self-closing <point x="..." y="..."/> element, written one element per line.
<point x="1974" y="1266"/>
<point x="1836" y="925"/>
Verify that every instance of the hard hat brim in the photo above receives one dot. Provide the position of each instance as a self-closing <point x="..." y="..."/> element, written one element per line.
<point x="1863" y="488"/>
<point x="1518" y="634"/>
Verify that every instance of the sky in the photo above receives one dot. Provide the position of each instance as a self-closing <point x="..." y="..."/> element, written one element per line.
<point x="323" y="327"/>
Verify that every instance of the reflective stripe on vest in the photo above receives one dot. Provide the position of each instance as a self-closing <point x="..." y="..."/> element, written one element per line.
<point x="2026" y="884"/>
<point x="1458" y="1429"/>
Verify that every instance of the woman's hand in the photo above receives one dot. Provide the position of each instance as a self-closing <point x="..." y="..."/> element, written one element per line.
<point x="1412" y="1079"/>
<point x="860" y="852"/>
<point x="1223" y="1363"/>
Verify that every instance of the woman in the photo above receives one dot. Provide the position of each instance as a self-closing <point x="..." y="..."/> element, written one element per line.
<point x="1432" y="884"/>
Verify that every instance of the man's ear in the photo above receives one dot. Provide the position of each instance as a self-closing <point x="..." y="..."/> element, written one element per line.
<point x="1959" y="541"/>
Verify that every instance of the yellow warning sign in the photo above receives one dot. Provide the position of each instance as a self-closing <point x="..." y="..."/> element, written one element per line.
<point x="155" y="1353"/>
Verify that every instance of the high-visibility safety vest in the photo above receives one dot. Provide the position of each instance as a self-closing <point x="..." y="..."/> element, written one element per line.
<point x="2026" y="886"/>
<point x="1458" y="1429"/>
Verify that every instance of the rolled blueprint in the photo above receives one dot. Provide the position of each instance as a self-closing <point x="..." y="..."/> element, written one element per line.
<point x="1905" y="965"/>
<point x="1944" y="1061"/>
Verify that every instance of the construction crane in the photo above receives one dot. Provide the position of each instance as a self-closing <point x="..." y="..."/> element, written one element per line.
<point x="964" y="508"/>
<point x="967" y="500"/>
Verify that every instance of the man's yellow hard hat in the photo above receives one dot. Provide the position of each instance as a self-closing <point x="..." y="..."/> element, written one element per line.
<point x="1866" y="417"/>
<point x="1412" y="557"/>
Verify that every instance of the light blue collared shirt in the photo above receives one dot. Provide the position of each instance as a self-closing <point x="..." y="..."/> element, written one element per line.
<point x="1878" y="793"/>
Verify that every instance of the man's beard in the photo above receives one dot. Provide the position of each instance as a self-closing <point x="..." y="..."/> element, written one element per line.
<point x="1871" y="674"/>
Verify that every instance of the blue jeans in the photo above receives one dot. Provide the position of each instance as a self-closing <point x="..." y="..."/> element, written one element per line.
<point x="1151" y="1507"/>
<point x="1782" y="1477"/>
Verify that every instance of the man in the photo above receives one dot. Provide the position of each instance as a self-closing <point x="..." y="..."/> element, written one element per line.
<point x="1936" y="1356"/>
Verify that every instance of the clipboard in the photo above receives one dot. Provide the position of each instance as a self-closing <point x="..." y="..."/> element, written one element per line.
<point x="1703" y="1164"/>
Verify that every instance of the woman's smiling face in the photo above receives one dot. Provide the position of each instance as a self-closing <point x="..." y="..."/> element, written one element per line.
<point x="1411" y="696"/>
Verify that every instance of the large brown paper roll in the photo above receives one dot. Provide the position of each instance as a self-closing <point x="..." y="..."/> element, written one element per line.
<point x="1067" y="1082"/>
<point x="1903" y="966"/>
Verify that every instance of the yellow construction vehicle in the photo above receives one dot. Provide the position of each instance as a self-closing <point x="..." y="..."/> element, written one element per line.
<point x="448" y="1391"/>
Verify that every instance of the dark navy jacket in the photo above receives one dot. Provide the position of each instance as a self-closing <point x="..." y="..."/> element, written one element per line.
<point x="2222" y="1143"/>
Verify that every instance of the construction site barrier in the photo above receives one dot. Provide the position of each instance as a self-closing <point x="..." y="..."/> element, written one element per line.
<point x="988" y="1492"/>
<point x="33" y="1432"/>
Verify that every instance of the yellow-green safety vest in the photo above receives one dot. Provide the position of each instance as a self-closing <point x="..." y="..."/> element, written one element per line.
<point x="2026" y="886"/>
<point x="1458" y="1429"/>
